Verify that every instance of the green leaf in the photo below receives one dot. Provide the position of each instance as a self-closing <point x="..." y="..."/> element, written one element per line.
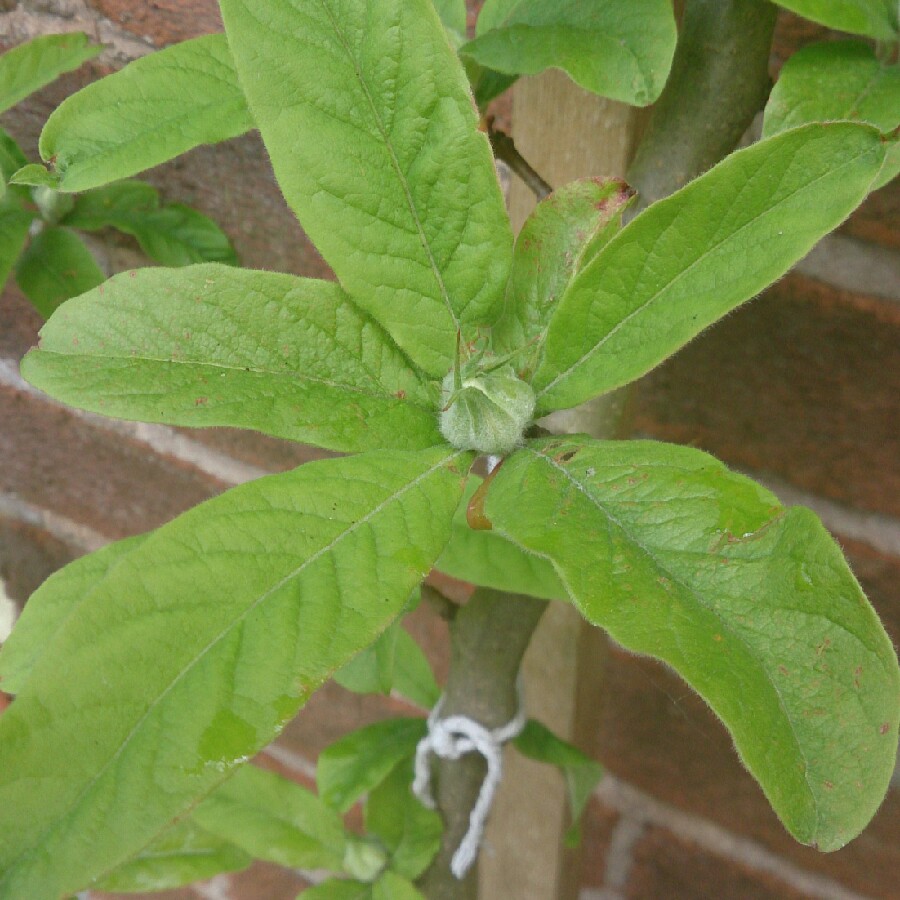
<point x="410" y="832"/>
<point x="274" y="819"/>
<point x="453" y="14"/>
<point x="35" y="175"/>
<point x="181" y="855"/>
<point x="11" y="157"/>
<point x="198" y="646"/>
<point x="155" y="109"/>
<point x="49" y="609"/>
<point x="104" y="206"/>
<point x="691" y="258"/>
<point x="173" y="235"/>
<point x="620" y="51"/>
<point x="28" y="67"/>
<point x="560" y="237"/>
<point x="751" y="603"/>
<point x="338" y="889"/>
<point x="413" y="677"/>
<point x="213" y="345"/>
<point x="55" y="267"/>
<point x="837" y="80"/>
<point x="581" y="773"/>
<point x="391" y="886"/>
<point x="394" y="663"/>
<point x="371" y="671"/>
<point x="367" y="116"/>
<point x="14" y="225"/>
<point x="485" y="557"/>
<point x="359" y="762"/>
<point x="875" y="18"/>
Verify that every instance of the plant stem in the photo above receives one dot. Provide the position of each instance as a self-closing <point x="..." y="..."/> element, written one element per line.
<point x="504" y="148"/>
<point x="489" y="636"/>
<point x="719" y="81"/>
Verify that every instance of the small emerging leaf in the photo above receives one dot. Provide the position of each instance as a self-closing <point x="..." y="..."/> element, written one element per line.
<point x="581" y="773"/>
<point x="751" y="603"/>
<point x="181" y="855"/>
<point x="410" y="832"/>
<point x="622" y="51"/>
<point x="28" y="67"/>
<point x="361" y="761"/>
<point x="156" y="108"/>
<point x="34" y="175"/>
<point x="55" y="267"/>
<point x="274" y="819"/>
<point x="560" y="237"/>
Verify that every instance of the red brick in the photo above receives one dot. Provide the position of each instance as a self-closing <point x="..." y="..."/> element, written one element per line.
<point x="257" y="449"/>
<point x="114" y="485"/>
<point x="163" y="21"/>
<point x="666" y="866"/>
<point x="876" y="220"/>
<point x="19" y="323"/>
<point x="28" y="556"/>
<point x="597" y="826"/>
<point x="658" y="735"/>
<point x="802" y="382"/>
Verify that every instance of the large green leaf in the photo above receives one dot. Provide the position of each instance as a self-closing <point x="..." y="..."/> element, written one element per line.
<point x="368" y="120"/>
<point x="619" y="50"/>
<point x="28" y="67"/>
<point x="453" y="14"/>
<point x="485" y="557"/>
<point x="154" y="109"/>
<point x="197" y="646"/>
<point x="560" y="237"/>
<point x="875" y="18"/>
<point x="181" y="855"/>
<point x="751" y="603"/>
<point x="360" y="761"/>
<point x="837" y="80"/>
<point x="56" y="266"/>
<point x="50" y="607"/>
<point x="274" y="819"/>
<point x="409" y="831"/>
<point x="14" y="225"/>
<point x="691" y="258"/>
<point x="213" y="345"/>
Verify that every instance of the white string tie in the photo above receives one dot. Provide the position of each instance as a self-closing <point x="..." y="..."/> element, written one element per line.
<point x="452" y="738"/>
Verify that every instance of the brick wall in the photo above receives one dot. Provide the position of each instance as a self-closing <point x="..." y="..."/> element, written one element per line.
<point x="798" y="388"/>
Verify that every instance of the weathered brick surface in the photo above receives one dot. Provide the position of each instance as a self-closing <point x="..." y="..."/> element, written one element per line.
<point x="163" y="22"/>
<point x="115" y="486"/>
<point x="802" y="382"/>
<point x="28" y="555"/>
<point x="665" y="866"/>
<point x="597" y="827"/>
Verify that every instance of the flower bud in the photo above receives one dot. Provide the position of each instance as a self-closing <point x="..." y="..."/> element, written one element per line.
<point x="488" y="412"/>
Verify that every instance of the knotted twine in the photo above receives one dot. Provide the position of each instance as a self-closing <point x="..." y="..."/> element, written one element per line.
<point x="452" y="738"/>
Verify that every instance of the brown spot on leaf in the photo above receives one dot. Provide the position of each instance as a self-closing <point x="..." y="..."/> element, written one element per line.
<point x="201" y="401"/>
<point x="400" y="395"/>
<point x="885" y="728"/>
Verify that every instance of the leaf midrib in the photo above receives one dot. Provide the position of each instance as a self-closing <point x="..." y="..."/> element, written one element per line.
<point x="395" y="165"/>
<point x="292" y="375"/>
<point x="618" y="239"/>
<point x="198" y="657"/>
